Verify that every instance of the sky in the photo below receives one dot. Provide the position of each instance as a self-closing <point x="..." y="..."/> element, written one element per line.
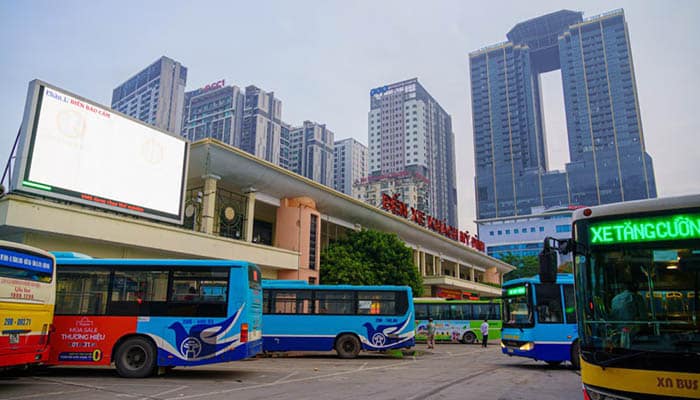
<point x="321" y="58"/>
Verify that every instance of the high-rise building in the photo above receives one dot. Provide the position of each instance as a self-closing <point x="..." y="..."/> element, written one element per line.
<point x="311" y="152"/>
<point x="409" y="132"/>
<point x="214" y="111"/>
<point x="410" y="187"/>
<point x="284" y="145"/>
<point x="154" y="95"/>
<point x="349" y="164"/>
<point x="262" y="119"/>
<point x="608" y="161"/>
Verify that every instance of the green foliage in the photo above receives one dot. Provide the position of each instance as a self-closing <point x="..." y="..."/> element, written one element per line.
<point x="526" y="266"/>
<point x="370" y="257"/>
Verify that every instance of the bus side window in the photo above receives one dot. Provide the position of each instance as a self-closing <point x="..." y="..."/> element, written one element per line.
<point x="421" y="311"/>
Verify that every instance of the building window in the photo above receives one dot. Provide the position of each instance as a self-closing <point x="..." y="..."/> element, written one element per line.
<point x="563" y="228"/>
<point x="491" y="233"/>
<point x="507" y="231"/>
<point x="541" y="228"/>
<point x="500" y="233"/>
<point x="532" y="230"/>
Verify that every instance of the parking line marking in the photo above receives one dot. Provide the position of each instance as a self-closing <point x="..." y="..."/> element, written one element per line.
<point x="47" y="394"/>
<point x="285" y="377"/>
<point x="310" y="378"/>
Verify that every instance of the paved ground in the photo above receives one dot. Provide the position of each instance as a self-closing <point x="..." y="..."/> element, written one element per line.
<point x="450" y="371"/>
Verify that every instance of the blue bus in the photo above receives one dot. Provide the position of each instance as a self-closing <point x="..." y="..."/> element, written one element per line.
<point x="302" y="317"/>
<point x="146" y="314"/>
<point x="539" y="320"/>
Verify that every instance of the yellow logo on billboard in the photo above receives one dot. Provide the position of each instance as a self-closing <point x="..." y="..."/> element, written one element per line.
<point x="152" y="151"/>
<point x="70" y="123"/>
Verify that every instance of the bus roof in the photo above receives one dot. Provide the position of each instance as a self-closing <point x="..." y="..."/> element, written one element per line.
<point x="300" y="284"/>
<point x="561" y="278"/>
<point x="73" y="258"/>
<point x="437" y="300"/>
<point x="640" y="206"/>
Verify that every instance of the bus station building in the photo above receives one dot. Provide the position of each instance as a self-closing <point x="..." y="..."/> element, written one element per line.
<point x="238" y="206"/>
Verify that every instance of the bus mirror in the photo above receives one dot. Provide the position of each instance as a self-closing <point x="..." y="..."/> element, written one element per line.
<point x="548" y="264"/>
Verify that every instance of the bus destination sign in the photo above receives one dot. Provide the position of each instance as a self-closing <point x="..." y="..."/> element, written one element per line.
<point x="670" y="227"/>
<point x="515" y="291"/>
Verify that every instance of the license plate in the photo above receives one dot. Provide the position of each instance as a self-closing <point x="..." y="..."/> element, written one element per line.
<point x="14" y="338"/>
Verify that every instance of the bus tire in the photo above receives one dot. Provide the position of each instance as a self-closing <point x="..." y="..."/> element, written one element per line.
<point x="136" y="358"/>
<point x="469" y="338"/>
<point x="347" y="346"/>
<point x="575" y="356"/>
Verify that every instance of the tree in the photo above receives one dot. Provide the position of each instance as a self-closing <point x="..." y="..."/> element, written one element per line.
<point x="526" y="266"/>
<point x="370" y="257"/>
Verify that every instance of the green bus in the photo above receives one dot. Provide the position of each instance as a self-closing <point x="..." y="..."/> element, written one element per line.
<point x="457" y="321"/>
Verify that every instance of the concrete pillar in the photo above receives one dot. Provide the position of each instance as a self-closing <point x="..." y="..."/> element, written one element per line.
<point x="423" y="271"/>
<point x="209" y="203"/>
<point x="249" y="214"/>
<point x="292" y="232"/>
<point x="471" y="274"/>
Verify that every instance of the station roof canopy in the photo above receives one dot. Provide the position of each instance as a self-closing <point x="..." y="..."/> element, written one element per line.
<point x="238" y="169"/>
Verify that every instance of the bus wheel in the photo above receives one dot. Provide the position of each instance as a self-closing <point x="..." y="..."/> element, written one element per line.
<point x="575" y="360"/>
<point x="135" y="358"/>
<point x="469" y="338"/>
<point x="347" y="346"/>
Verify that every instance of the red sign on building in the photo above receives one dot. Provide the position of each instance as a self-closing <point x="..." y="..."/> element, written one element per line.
<point x="401" y="209"/>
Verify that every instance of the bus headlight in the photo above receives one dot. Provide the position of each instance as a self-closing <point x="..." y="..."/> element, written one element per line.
<point x="527" y="346"/>
<point x="590" y="394"/>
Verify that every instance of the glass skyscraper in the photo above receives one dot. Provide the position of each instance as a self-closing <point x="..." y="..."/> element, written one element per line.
<point x="608" y="159"/>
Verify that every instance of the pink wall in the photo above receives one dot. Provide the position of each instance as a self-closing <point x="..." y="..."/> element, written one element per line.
<point x="292" y="231"/>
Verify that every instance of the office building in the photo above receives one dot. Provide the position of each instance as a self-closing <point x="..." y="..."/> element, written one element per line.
<point x="524" y="235"/>
<point x="262" y="124"/>
<point x="349" y="164"/>
<point x="411" y="135"/>
<point x="284" y="145"/>
<point x="214" y="111"/>
<point x="608" y="161"/>
<point x="154" y="95"/>
<point x="410" y="187"/>
<point x="311" y="152"/>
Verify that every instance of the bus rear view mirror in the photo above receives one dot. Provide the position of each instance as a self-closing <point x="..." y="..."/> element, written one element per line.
<point x="548" y="263"/>
<point x="548" y="266"/>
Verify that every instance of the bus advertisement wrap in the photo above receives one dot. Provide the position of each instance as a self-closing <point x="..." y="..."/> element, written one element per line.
<point x="75" y="150"/>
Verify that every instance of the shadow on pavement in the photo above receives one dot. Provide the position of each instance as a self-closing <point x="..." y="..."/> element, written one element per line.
<point x="189" y="373"/>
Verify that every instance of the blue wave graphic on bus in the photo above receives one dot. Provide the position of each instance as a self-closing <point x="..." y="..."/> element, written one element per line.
<point x="202" y="341"/>
<point x="385" y="336"/>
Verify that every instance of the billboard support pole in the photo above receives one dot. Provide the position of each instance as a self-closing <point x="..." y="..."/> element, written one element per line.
<point x="8" y="167"/>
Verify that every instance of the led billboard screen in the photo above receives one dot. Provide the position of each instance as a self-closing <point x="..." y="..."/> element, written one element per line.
<point x="76" y="150"/>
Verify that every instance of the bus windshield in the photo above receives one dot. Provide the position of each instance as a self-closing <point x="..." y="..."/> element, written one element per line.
<point x="517" y="307"/>
<point x="642" y="297"/>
